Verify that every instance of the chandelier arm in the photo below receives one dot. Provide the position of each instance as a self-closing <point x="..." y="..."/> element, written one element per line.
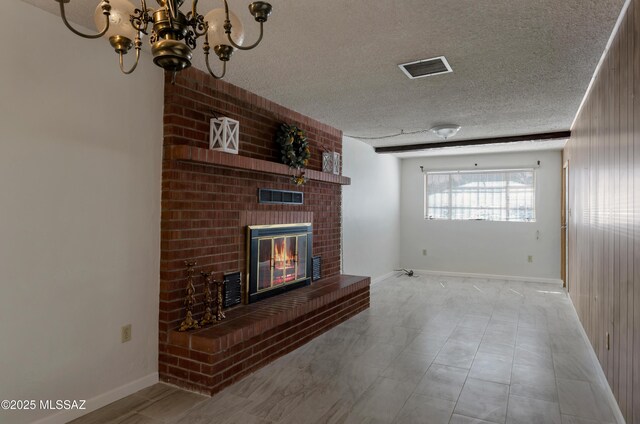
<point x="138" y="47"/>
<point x="106" y="10"/>
<point x="227" y="30"/>
<point x="206" y="49"/>
<point x="224" y="68"/>
<point x="194" y="8"/>
<point x="239" y="47"/>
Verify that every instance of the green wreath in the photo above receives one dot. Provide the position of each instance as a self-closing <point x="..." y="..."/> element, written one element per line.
<point x="294" y="146"/>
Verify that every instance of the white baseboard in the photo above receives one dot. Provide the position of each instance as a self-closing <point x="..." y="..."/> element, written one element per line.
<point x="101" y="400"/>
<point x="613" y="403"/>
<point x="494" y="276"/>
<point x="383" y="277"/>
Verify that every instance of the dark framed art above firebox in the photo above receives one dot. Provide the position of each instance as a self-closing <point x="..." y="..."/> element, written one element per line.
<point x="278" y="259"/>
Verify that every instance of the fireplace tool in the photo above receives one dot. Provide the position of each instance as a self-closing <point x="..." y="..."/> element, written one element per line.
<point x="208" y="317"/>
<point x="189" y="323"/>
<point x="219" y="287"/>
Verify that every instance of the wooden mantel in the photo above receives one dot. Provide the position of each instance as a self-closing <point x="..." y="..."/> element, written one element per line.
<point x="227" y="160"/>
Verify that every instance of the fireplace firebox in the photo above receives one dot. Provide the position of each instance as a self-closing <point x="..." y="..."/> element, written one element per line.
<point x="279" y="259"/>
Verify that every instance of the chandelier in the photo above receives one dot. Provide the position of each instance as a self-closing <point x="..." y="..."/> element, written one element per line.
<point x="172" y="33"/>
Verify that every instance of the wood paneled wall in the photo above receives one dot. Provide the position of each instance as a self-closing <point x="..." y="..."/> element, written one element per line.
<point x="604" y="221"/>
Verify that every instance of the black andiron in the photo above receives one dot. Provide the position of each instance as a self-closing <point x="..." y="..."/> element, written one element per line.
<point x="189" y="323"/>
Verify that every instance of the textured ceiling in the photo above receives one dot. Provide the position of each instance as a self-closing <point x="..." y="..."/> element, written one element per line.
<point x="519" y="66"/>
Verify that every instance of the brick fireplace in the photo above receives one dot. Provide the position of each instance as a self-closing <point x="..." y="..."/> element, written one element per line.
<point x="209" y="200"/>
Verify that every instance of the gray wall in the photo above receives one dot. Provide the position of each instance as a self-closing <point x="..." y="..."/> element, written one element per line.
<point x="80" y="217"/>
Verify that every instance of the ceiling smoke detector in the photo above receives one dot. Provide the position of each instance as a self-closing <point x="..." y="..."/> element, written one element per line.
<point x="445" y="131"/>
<point x="426" y="67"/>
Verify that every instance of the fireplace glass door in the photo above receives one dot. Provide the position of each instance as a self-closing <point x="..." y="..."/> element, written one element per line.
<point x="279" y="259"/>
<point x="282" y="260"/>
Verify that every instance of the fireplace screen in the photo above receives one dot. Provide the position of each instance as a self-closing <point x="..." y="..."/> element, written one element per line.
<point x="279" y="259"/>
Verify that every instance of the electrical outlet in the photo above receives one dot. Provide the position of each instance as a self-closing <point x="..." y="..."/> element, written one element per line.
<point x="424" y="252"/>
<point x="125" y="333"/>
<point x="530" y="259"/>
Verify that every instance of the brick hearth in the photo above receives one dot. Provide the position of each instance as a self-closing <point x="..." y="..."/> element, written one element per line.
<point x="253" y="335"/>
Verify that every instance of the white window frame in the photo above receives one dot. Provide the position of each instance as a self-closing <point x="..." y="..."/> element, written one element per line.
<point x="478" y="171"/>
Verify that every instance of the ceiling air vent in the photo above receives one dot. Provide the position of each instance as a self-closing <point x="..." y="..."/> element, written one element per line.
<point x="426" y="67"/>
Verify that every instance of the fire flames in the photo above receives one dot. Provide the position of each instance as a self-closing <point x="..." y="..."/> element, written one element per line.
<point x="284" y="262"/>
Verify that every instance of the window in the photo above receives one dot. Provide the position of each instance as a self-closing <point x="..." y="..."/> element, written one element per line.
<point x="497" y="195"/>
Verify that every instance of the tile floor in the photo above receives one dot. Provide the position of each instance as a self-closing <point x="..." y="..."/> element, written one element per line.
<point x="431" y="349"/>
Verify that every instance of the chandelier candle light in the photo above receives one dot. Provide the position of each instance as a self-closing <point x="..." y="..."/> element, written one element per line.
<point x="173" y="34"/>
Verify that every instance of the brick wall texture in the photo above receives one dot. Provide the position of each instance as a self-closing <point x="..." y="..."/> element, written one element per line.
<point x="205" y="208"/>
